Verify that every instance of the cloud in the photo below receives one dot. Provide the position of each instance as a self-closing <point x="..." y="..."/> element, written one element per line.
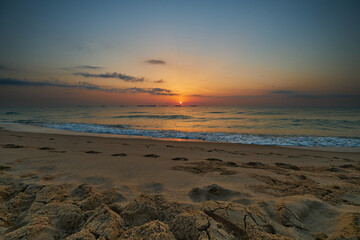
<point x="159" y="81"/>
<point x="156" y="61"/>
<point x="121" y="76"/>
<point x="287" y="94"/>
<point x="89" y="67"/>
<point x="87" y="86"/>
<point x="322" y="96"/>
<point x="6" y="68"/>
<point x="283" y="92"/>
<point x="82" y="67"/>
<point x="222" y="96"/>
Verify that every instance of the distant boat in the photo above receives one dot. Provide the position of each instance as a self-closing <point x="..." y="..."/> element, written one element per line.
<point x="163" y="105"/>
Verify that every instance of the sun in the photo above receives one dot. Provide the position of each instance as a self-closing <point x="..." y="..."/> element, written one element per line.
<point x="180" y="102"/>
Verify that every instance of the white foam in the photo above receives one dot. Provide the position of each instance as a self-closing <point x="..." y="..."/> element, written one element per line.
<point x="278" y="140"/>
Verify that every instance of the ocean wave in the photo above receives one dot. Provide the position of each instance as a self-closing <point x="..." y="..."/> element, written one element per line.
<point x="265" y="113"/>
<point x="278" y="140"/>
<point x="27" y="121"/>
<point x="155" y="116"/>
<point x="12" y="113"/>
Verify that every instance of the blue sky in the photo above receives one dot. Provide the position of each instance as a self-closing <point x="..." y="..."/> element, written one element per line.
<point x="209" y="49"/>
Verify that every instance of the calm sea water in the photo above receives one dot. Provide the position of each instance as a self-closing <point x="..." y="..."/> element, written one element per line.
<point x="334" y="127"/>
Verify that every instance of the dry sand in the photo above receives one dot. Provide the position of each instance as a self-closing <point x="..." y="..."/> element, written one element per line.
<point x="57" y="186"/>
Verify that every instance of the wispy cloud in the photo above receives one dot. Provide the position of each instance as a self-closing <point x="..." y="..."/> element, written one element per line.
<point x="90" y="67"/>
<point x="121" y="76"/>
<point x="159" y="81"/>
<point x="229" y="96"/>
<point x="293" y="94"/>
<point x="85" y="85"/>
<point x="155" y="61"/>
<point x="322" y="96"/>
<point x="5" y="68"/>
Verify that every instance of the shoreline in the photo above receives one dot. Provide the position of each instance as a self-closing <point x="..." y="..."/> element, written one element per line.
<point x="17" y="127"/>
<point x="80" y="186"/>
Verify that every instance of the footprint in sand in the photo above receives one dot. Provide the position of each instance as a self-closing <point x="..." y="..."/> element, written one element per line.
<point x="93" y="152"/>
<point x="48" y="177"/>
<point x="11" y="145"/>
<point x="46" y="148"/>
<point x="255" y="164"/>
<point x="55" y="151"/>
<point x="119" y="154"/>
<point x="31" y="175"/>
<point x="151" y="156"/>
<point x="287" y="166"/>
<point x="154" y="187"/>
<point x="214" y="159"/>
<point x="231" y="164"/>
<point x="180" y="159"/>
<point x="5" y="167"/>
<point x="214" y="192"/>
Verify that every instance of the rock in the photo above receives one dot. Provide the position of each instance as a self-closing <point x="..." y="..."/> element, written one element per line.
<point x="238" y="222"/>
<point x="82" y="235"/>
<point x="112" y="195"/>
<point x="68" y="218"/>
<point x="154" y="230"/>
<point x="105" y="223"/>
<point x="87" y="197"/>
<point x="320" y="236"/>
<point x="288" y="218"/>
<point x="39" y="228"/>
<point x="184" y="222"/>
<point x="82" y="191"/>
<point x="49" y="194"/>
<point x="211" y="192"/>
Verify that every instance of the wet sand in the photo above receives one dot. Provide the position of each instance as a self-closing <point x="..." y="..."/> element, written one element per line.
<point x="57" y="186"/>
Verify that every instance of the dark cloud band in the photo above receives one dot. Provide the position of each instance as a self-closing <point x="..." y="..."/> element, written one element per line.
<point x="87" y="86"/>
<point x="121" y="76"/>
<point x="90" y="67"/>
<point x="6" y="68"/>
<point x="156" y="61"/>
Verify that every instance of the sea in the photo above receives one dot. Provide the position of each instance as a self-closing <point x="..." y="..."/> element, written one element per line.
<point x="281" y="126"/>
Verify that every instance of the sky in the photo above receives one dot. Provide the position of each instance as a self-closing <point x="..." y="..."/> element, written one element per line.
<point x="239" y="53"/>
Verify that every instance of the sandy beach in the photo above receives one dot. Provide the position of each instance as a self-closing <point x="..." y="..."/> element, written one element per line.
<point x="60" y="186"/>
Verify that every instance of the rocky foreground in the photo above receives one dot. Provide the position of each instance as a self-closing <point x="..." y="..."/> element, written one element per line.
<point x="34" y="211"/>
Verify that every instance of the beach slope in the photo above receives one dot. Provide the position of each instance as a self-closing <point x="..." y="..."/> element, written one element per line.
<point x="55" y="186"/>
